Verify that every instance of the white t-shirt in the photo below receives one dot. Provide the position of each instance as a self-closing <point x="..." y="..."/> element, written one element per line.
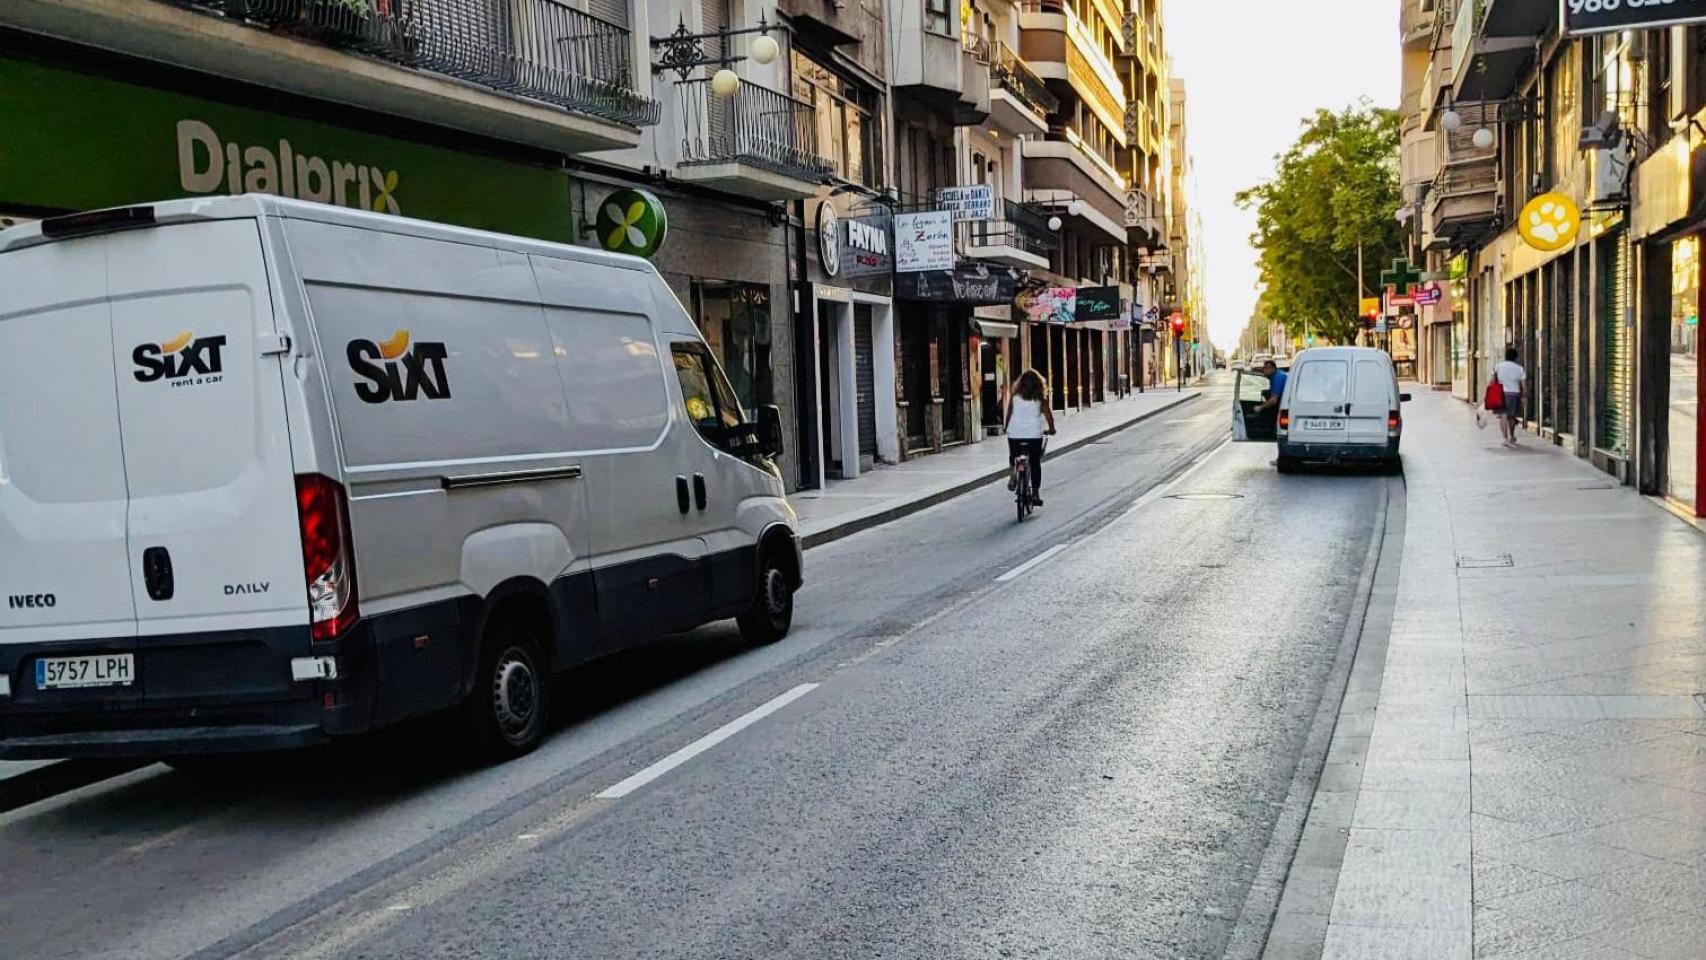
<point x="1027" y="422"/>
<point x="1511" y="376"/>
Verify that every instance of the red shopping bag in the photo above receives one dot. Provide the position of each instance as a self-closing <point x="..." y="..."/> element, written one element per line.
<point x="1495" y="398"/>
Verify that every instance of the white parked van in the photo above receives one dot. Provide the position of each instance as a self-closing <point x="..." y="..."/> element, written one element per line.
<point x="1341" y="404"/>
<point x="273" y="471"/>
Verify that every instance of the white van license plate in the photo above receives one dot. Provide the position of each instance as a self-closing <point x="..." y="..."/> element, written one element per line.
<point x="1321" y="423"/>
<point x="106" y="670"/>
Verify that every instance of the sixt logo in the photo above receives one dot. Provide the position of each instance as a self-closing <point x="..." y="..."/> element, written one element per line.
<point x="185" y="360"/>
<point x="396" y="371"/>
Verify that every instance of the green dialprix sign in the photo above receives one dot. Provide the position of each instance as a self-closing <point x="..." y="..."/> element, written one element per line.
<point x="77" y="142"/>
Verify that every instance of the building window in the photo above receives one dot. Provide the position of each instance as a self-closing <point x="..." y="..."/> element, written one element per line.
<point x="849" y="125"/>
<point x="735" y="320"/>
<point x="936" y="17"/>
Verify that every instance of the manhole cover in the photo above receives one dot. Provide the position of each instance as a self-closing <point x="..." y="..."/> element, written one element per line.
<point x="1485" y="563"/>
<point x="1206" y="496"/>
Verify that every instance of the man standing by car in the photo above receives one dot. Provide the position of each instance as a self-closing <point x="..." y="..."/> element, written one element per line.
<point x="1276" y="386"/>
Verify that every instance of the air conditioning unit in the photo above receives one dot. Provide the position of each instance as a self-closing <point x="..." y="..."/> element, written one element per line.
<point x="1610" y="173"/>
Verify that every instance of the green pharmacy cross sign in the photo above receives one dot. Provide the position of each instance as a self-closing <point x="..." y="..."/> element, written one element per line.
<point x="1402" y="278"/>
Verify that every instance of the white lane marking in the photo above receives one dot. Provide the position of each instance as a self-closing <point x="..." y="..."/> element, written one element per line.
<point x="1031" y="564"/>
<point x="703" y="744"/>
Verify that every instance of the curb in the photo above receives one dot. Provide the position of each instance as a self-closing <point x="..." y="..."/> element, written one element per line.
<point x="57" y="778"/>
<point x="860" y="524"/>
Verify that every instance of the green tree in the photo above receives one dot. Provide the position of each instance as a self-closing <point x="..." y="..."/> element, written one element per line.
<point x="1335" y="188"/>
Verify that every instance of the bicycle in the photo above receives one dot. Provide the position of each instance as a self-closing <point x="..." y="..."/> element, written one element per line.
<point x="1024" y="493"/>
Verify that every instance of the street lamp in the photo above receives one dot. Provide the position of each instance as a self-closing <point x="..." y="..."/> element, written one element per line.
<point x="1054" y="224"/>
<point x="1451" y="120"/>
<point x="1483" y="139"/>
<point x="1075" y="208"/>
<point x="725" y="82"/>
<point x="765" y="51"/>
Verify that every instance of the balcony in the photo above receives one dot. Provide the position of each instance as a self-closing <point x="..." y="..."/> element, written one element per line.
<point x="974" y="104"/>
<point x="1464" y="205"/>
<point x="1021" y="238"/>
<point x="1019" y="100"/>
<point x="533" y="71"/>
<point x="924" y="54"/>
<point x="1060" y="48"/>
<point x="1060" y="171"/>
<point x="758" y="143"/>
<point x="1145" y="226"/>
<point x="1416" y="24"/>
<point x="1488" y="63"/>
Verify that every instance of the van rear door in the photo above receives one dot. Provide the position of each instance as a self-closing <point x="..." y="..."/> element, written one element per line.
<point x="64" y="563"/>
<point x="1374" y="391"/>
<point x="1316" y="399"/>
<point x="215" y="546"/>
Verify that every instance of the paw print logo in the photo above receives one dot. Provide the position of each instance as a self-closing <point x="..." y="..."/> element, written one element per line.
<point x="1550" y="222"/>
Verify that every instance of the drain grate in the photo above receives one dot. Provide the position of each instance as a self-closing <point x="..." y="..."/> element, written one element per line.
<point x="1485" y="563"/>
<point x="1206" y="496"/>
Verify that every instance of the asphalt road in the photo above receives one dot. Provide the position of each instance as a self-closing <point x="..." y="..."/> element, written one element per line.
<point x="1084" y="759"/>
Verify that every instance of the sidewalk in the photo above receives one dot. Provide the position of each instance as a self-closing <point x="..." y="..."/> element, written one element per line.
<point x="1519" y="771"/>
<point x="888" y="493"/>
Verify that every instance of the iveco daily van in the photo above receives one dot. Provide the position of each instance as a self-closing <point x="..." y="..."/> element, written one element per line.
<point x="273" y="471"/>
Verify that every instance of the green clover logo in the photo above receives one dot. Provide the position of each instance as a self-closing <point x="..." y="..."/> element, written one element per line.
<point x="632" y="222"/>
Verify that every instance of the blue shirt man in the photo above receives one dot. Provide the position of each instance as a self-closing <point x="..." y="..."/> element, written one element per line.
<point x="1276" y="385"/>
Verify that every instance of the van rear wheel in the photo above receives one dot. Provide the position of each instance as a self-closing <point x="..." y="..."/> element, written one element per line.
<point x="1287" y="464"/>
<point x="505" y="714"/>
<point x="772" y="610"/>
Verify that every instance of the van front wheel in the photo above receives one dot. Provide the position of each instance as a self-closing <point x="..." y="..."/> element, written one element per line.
<point x="506" y="712"/>
<point x="772" y="610"/>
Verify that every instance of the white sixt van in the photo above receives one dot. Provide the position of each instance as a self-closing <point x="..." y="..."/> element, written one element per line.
<point x="1341" y="404"/>
<point x="272" y="472"/>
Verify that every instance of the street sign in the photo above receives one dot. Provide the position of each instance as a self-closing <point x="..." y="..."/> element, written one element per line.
<point x="1402" y="277"/>
<point x="975" y="202"/>
<point x="1583" y="17"/>
<point x="1429" y="295"/>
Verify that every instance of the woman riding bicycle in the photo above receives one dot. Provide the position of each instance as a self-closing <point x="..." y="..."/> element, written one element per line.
<point x="1029" y="419"/>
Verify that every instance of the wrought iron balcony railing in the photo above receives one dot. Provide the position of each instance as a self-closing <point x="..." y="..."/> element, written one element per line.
<point x="758" y="125"/>
<point x="1020" y="228"/>
<point x="544" y="50"/>
<point x="1008" y="70"/>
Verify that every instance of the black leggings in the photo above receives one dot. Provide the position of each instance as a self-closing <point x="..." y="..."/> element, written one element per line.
<point x="1032" y="449"/>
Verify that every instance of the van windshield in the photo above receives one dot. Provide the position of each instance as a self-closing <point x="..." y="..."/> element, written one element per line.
<point x="1322" y="381"/>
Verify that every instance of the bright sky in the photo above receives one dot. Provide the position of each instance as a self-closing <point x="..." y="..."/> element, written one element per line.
<point x="1253" y="69"/>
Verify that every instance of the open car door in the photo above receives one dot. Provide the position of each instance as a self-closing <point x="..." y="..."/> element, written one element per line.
<point x="1249" y="423"/>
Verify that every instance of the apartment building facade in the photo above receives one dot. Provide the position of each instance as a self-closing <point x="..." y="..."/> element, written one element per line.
<point x="782" y="142"/>
<point x="1515" y="108"/>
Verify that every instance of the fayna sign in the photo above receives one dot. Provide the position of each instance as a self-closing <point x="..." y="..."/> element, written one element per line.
<point x="207" y="164"/>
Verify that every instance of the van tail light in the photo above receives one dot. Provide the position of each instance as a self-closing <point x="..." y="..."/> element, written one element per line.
<point x="1393" y="422"/>
<point x="327" y="560"/>
<point x="1285" y="419"/>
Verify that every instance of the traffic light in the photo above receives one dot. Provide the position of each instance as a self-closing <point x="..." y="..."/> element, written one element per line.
<point x="1178" y="323"/>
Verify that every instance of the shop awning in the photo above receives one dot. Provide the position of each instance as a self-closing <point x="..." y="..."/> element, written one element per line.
<point x="995" y="329"/>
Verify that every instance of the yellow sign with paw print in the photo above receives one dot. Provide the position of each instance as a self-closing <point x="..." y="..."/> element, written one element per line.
<point x="1550" y="222"/>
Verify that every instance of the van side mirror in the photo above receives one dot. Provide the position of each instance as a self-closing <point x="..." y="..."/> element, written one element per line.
<point x="770" y="430"/>
<point x="1403" y="398"/>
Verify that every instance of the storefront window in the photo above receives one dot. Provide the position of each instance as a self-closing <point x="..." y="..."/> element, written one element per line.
<point x="735" y="320"/>
<point x="1684" y="370"/>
